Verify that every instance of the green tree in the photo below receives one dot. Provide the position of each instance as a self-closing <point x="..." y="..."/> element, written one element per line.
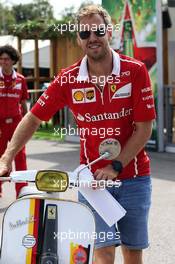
<point x="6" y="19"/>
<point x="43" y="9"/>
<point x="68" y="13"/>
<point x="23" y="13"/>
<point x="36" y="10"/>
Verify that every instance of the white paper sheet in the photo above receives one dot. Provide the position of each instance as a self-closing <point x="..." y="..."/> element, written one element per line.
<point x="100" y="199"/>
<point x="105" y="204"/>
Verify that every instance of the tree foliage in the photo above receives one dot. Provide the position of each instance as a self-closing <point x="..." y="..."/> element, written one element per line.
<point x="36" y="20"/>
<point x="6" y="19"/>
<point x="36" y="10"/>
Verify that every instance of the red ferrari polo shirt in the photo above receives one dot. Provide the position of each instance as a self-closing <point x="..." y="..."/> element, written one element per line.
<point x="13" y="90"/>
<point x="111" y="112"/>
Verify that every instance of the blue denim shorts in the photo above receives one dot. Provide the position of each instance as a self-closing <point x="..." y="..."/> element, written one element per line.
<point x="132" y="230"/>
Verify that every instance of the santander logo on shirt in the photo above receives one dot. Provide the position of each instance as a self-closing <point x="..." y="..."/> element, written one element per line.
<point x="104" y="116"/>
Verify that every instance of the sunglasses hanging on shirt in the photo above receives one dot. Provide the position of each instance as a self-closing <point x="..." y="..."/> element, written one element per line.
<point x="100" y="32"/>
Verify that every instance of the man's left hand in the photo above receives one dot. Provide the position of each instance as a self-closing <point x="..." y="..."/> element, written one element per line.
<point x="106" y="173"/>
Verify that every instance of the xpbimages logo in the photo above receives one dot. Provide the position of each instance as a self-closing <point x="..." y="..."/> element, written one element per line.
<point x="104" y="116"/>
<point x="101" y="132"/>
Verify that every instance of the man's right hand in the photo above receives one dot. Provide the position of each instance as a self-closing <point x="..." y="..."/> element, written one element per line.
<point x="5" y="167"/>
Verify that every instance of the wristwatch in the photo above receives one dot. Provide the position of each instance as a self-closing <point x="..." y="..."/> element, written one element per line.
<point x="117" y="165"/>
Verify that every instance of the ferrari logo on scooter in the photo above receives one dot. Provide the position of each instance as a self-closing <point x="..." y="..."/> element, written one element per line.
<point x="51" y="212"/>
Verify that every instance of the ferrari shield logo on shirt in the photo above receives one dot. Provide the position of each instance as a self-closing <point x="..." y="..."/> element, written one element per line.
<point x="83" y="95"/>
<point x="123" y="92"/>
<point x="113" y="88"/>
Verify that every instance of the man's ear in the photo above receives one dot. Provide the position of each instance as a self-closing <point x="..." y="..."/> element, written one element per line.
<point x="109" y="32"/>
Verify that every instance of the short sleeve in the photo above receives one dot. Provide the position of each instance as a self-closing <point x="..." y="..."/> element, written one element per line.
<point x="52" y="100"/>
<point x="142" y="96"/>
<point x="25" y="94"/>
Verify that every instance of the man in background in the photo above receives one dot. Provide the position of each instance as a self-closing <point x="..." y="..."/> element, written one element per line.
<point x="13" y="95"/>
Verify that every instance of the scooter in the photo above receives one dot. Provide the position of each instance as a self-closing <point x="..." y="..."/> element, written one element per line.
<point x="41" y="228"/>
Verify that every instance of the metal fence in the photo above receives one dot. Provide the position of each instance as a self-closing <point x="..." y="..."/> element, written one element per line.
<point x="169" y="115"/>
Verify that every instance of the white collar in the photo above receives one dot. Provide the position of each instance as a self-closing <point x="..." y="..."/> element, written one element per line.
<point x="83" y="74"/>
<point x="14" y="75"/>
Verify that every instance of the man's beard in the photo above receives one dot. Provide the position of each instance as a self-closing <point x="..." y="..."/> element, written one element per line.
<point x="97" y="57"/>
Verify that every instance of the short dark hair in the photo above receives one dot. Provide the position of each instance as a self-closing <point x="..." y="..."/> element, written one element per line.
<point x="11" y="51"/>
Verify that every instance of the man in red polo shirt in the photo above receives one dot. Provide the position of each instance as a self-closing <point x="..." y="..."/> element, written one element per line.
<point x="111" y="98"/>
<point x="13" y="95"/>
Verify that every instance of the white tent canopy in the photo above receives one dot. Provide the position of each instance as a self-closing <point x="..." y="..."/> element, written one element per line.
<point x="28" y="51"/>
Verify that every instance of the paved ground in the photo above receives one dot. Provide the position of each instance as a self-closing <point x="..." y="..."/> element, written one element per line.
<point x="53" y="155"/>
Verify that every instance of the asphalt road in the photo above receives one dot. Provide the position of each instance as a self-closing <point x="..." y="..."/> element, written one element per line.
<point x="64" y="156"/>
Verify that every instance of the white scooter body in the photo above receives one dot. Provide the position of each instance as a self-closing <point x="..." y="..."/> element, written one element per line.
<point x="68" y="236"/>
<point x="40" y="228"/>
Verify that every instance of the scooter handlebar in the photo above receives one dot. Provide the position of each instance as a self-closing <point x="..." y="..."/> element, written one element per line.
<point x="80" y="177"/>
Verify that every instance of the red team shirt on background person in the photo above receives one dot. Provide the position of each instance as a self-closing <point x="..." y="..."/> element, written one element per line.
<point x="126" y="98"/>
<point x="13" y="90"/>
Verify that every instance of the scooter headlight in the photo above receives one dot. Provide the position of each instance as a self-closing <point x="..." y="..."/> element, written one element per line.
<point x="52" y="181"/>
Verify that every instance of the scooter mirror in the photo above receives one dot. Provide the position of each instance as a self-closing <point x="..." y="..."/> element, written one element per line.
<point x="52" y="181"/>
<point x="112" y="146"/>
